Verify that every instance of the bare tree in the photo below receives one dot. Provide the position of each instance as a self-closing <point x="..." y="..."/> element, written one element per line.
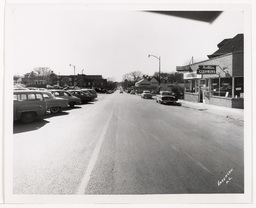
<point x="134" y="76"/>
<point x="42" y="71"/>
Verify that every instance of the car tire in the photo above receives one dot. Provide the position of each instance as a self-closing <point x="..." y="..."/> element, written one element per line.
<point x="55" y="110"/>
<point x="28" y="117"/>
<point x="71" y="105"/>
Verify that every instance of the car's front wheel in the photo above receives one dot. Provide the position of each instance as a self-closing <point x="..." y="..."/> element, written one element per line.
<point x="28" y="117"/>
<point x="55" y="110"/>
<point x="71" y="105"/>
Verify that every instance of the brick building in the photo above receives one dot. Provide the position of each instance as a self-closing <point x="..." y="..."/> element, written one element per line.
<point x="220" y="79"/>
<point x="82" y="80"/>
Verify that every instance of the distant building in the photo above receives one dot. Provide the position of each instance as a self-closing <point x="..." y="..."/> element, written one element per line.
<point x="152" y="85"/>
<point x="145" y="84"/>
<point x="33" y="79"/>
<point x="82" y="80"/>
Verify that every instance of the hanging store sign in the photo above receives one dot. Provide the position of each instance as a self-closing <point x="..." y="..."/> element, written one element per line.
<point x="206" y="69"/>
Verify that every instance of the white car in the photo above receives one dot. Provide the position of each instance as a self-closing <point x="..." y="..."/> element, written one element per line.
<point x="146" y="94"/>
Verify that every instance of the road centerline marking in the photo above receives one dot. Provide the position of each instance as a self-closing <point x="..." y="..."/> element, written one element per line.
<point x="199" y="164"/>
<point x="94" y="157"/>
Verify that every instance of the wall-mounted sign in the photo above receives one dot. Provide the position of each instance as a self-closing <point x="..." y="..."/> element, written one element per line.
<point x="206" y="69"/>
<point x="191" y="75"/>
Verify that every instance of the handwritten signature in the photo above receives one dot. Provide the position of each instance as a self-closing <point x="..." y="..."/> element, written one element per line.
<point x="227" y="178"/>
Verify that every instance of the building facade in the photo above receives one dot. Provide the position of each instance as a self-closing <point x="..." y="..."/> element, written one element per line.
<point x="219" y="80"/>
<point x="83" y="81"/>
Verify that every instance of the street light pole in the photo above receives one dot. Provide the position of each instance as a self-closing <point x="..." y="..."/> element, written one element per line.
<point x="74" y="73"/>
<point x="159" y="60"/>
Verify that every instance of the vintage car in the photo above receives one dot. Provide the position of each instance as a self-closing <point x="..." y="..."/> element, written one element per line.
<point x="72" y="100"/>
<point x="54" y="104"/>
<point x="166" y="97"/>
<point x="91" y="91"/>
<point x="146" y="94"/>
<point x="84" y="96"/>
<point x="28" y="105"/>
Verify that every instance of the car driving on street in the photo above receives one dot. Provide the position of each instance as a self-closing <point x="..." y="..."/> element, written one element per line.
<point x="166" y="97"/>
<point x="146" y="94"/>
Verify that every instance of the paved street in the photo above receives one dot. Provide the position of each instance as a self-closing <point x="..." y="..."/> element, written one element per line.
<point x="123" y="144"/>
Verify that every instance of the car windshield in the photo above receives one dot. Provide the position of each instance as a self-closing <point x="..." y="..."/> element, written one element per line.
<point x="146" y="92"/>
<point x="166" y="93"/>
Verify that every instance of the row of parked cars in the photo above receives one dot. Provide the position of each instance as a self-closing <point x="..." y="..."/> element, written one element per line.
<point x="29" y="104"/>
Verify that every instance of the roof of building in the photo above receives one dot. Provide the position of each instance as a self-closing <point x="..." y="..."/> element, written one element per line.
<point x="142" y="80"/>
<point x="229" y="45"/>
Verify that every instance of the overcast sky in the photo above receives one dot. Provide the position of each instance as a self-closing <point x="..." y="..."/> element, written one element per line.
<point x="110" y="43"/>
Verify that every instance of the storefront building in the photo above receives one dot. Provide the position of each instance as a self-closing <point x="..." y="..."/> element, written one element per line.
<point x="219" y="80"/>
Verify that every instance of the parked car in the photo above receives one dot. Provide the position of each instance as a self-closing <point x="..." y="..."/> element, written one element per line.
<point x="132" y="92"/>
<point x="109" y="92"/>
<point x="146" y="94"/>
<point x="72" y="100"/>
<point x="28" y="105"/>
<point x="54" y="104"/>
<point x="85" y="97"/>
<point x="166" y="97"/>
<point x="91" y="91"/>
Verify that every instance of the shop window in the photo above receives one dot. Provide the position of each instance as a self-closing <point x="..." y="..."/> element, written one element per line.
<point x="226" y="87"/>
<point x="215" y="87"/>
<point x="239" y="87"/>
<point x="190" y="87"/>
<point x="222" y="87"/>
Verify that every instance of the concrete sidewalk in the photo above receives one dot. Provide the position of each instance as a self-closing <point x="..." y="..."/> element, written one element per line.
<point x="232" y="113"/>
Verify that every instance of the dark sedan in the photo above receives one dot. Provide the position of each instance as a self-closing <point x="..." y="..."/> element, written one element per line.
<point x="85" y="97"/>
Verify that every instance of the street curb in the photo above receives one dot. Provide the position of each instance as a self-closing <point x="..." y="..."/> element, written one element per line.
<point x="205" y="109"/>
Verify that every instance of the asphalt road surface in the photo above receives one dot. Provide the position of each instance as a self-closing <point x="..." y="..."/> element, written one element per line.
<point x="123" y="144"/>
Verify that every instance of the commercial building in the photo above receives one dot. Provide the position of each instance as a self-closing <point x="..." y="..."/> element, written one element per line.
<point x="220" y="79"/>
<point x="82" y="80"/>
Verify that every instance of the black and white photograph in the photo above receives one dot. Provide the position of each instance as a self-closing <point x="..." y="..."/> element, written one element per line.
<point x="108" y="103"/>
